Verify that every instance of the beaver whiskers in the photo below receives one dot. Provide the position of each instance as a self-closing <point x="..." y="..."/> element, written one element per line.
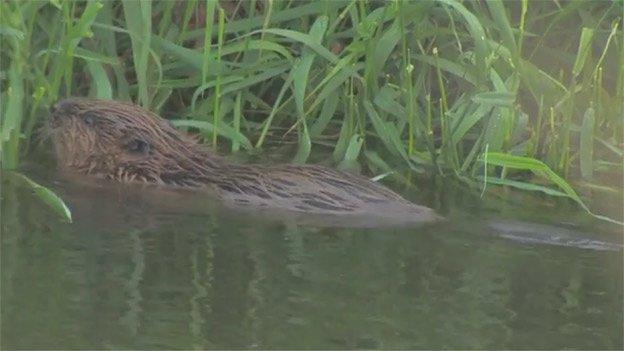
<point x="123" y="142"/>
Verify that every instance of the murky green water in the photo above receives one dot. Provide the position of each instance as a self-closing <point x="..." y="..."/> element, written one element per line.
<point x="145" y="269"/>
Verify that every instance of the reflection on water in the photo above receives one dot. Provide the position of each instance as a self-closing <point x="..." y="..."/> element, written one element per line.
<point x="145" y="269"/>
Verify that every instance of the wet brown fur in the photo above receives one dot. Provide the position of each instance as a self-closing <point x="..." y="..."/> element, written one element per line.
<point x="123" y="142"/>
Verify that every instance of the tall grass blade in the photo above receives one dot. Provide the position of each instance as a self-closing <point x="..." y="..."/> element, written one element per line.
<point x="223" y="130"/>
<point x="478" y="36"/>
<point x="302" y="67"/>
<point x="139" y="21"/>
<point x="587" y="144"/>
<point x="47" y="196"/>
<point x="103" y="88"/>
<point x="542" y="170"/>
<point x="583" y="50"/>
<point x="351" y="154"/>
<point x="303" y="38"/>
<point x="13" y="115"/>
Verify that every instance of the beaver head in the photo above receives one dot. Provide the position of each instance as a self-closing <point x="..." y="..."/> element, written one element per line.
<point x="124" y="142"/>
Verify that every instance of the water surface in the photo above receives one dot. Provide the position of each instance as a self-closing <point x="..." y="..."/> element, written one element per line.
<point x="144" y="268"/>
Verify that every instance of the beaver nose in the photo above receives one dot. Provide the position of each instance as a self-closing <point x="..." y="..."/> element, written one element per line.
<point x="62" y="106"/>
<point x="60" y="111"/>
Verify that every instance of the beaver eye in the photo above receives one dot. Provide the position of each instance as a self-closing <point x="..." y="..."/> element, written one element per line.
<point x="138" y="146"/>
<point x="88" y="118"/>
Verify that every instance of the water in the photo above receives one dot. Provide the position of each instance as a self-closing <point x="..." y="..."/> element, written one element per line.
<point x="147" y="269"/>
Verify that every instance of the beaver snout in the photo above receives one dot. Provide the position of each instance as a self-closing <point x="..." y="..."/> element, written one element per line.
<point x="61" y="110"/>
<point x="63" y="107"/>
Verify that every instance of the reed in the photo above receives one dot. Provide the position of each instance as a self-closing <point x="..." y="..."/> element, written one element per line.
<point x="396" y="87"/>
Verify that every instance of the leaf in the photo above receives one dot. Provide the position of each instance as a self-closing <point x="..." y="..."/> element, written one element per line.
<point x="352" y="153"/>
<point x="212" y="84"/>
<point x="469" y="121"/>
<point x="386" y="131"/>
<point x="56" y="3"/>
<point x="304" y="144"/>
<point x="325" y="116"/>
<point x="537" y="167"/>
<point x="540" y="169"/>
<point x="386" y="43"/>
<point x="187" y="56"/>
<point x="105" y="32"/>
<point x="501" y="19"/>
<point x="237" y="119"/>
<point x="285" y="15"/>
<point x="478" y="35"/>
<point x="12" y="117"/>
<point x="224" y="130"/>
<point x="269" y="120"/>
<point x="331" y="83"/>
<point x="209" y="23"/>
<point x="449" y="66"/>
<point x="11" y="32"/>
<point x="89" y="55"/>
<point x="587" y="144"/>
<point x="139" y="22"/>
<point x="300" y="75"/>
<point x="301" y="69"/>
<point x="47" y="196"/>
<point x="583" y="50"/>
<point x="495" y="98"/>
<point x="251" y="80"/>
<point x="385" y="99"/>
<point x="303" y="38"/>
<point x="261" y="45"/>
<point x="103" y="89"/>
<point x="81" y="28"/>
<point x="523" y="185"/>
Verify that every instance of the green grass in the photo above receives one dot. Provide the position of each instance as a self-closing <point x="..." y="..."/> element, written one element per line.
<point x="395" y="87"/>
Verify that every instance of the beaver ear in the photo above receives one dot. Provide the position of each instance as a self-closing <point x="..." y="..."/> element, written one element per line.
<point x="138" y="146"/>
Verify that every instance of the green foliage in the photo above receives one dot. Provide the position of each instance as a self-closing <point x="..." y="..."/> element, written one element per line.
<point x="539" y="169"/>
<point x="433" y="84"/>
<point x="45" y="195"/>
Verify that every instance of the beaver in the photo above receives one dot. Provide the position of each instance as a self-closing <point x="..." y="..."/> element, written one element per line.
<point x="123" y="142"/>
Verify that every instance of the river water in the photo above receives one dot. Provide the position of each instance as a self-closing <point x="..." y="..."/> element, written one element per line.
<point x="144" y="268"/>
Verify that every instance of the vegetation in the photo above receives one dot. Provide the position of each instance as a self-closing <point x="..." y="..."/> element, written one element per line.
<point x="434" y="87"/>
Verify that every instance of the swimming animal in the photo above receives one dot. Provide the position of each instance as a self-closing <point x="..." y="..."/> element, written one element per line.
<point x="123" y="142"/>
